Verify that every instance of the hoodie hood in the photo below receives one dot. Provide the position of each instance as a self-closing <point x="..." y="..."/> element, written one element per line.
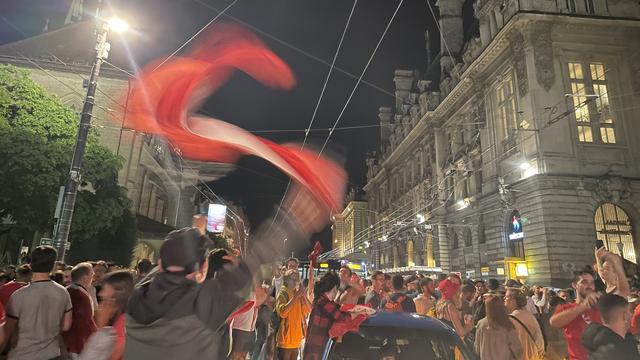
<point x="166" y="296"/>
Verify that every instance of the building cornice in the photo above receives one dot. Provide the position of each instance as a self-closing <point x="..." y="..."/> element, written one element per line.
<point x="471" y="78"/>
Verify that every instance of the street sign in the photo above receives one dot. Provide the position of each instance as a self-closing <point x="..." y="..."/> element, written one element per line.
<point x="46" y="241"/>
<point x="484" y="271"/>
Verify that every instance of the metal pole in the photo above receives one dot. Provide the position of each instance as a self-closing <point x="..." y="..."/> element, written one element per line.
<point x="71" y="188"/>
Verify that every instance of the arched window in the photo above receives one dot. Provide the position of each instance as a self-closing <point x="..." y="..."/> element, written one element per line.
<point x="613" y="227"/>
<point x="467" y="237"/>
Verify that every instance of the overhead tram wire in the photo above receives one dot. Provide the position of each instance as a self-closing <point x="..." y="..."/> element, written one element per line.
<point x="195" y="35"/>
<point x="295" y="48"/>
<point x="106" y="110"/>
<point x="315" y="110"/>
<point x="366" y="67"/>
<point x="550" y="122"/>
<point x="61" y="62"/>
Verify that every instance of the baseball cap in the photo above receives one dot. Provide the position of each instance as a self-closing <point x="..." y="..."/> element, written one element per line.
<point x="185" y="247"/>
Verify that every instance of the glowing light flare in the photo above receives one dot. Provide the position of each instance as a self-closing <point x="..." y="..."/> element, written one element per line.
<point x="522" y="270"/>
<point x="118" y="25"/>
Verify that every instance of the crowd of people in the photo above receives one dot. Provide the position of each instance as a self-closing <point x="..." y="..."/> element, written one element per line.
<point x="198" y="300"/>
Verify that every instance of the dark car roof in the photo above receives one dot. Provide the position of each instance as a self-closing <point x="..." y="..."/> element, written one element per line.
<point x="406" y="321"/>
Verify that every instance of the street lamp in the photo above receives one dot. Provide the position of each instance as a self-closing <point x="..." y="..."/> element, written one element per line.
<point x="118" y="25"/>
<point x="75" y="178"/>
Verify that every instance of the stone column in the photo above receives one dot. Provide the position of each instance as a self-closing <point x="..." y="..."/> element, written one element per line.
<point x="443" y="241"/>
<point x="441" y="149"/>
<point x="396" y="257"/>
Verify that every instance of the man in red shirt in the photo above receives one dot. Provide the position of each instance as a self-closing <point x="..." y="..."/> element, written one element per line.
<point x="23" y="277"/>
<point x="82" y="325"/>
<point x="575" y="317"/>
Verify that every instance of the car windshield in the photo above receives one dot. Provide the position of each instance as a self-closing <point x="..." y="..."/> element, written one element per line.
<point x="396" y="344"/>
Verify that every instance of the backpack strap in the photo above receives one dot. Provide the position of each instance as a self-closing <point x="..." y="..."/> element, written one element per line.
<point x="524" y="326"/>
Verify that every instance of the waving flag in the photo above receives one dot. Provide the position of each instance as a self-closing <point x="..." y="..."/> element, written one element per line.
<point x="163" y="102"/>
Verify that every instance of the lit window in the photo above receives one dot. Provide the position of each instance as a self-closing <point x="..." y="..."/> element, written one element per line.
<point x="613" y="227"/>
<point x="506" y="105"/>
<point x="594" y="118"/>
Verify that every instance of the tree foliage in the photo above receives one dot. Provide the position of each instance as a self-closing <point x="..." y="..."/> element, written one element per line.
<point x="37" y="135"/>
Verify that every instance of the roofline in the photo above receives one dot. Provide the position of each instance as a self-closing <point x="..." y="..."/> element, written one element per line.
<point x="75" y="68"/>
<point x="465" y="79"/>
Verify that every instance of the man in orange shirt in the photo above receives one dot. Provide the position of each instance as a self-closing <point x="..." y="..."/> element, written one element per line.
<point x="292" y="306"/>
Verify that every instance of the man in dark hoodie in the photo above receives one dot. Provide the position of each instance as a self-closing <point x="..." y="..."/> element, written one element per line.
<point x="178" y="313"/>
<point x="398" y="300"/>
<point x="612" y="339"/>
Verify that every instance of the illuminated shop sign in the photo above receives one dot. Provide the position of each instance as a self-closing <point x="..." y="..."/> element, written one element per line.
<point x="515" y="226"/>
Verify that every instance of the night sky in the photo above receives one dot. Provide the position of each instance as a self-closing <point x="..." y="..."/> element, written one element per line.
<point x="312" y="26"/>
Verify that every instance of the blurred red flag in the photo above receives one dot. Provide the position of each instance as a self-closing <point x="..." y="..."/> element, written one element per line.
<point x="163" y="102"/>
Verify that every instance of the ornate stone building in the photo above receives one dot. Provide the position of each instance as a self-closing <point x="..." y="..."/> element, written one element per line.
<point x="515" y="150"/>
<point x="161" y="185"/>
<point x="352" y="223"/>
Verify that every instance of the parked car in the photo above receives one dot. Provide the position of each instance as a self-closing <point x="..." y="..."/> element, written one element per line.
<point x="400" y="336"/>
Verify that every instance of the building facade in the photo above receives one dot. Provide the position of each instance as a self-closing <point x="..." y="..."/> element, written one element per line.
<point x="162" y="186"/>
<point x="348" y="226"/>
<point x="519" y="153"/>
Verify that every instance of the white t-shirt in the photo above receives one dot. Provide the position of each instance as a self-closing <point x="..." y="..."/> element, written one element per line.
<point x="247" y="320"/>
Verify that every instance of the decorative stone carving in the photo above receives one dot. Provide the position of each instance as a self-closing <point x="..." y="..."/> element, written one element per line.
<point x="613" y="189"/>
<point x="445" y="86"/>
<point x="423" y="100"/>
<point x="433" y="100"/>
<point x="415" y="113"/>
<point x="543" y="55"/>
<point x="473" y="48"/>
<point x="517" y="47"/>
<point x="506" y="196"/>
<point x="423" y="85"/>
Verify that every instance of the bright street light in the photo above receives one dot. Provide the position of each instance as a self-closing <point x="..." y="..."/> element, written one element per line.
<point x="525" y="165"/>
<point x="118" y="25"/>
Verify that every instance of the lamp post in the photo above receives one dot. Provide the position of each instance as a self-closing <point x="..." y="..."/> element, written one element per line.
<point x="75" y="178"/>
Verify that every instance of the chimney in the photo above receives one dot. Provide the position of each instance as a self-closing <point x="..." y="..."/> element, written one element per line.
<point x="404" y="82"/>
<point x="385" y="115"/>
<point x="451" y="31"/>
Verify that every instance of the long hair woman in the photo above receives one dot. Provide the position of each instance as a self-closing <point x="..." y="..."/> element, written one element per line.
<point x="496" y="337"/>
